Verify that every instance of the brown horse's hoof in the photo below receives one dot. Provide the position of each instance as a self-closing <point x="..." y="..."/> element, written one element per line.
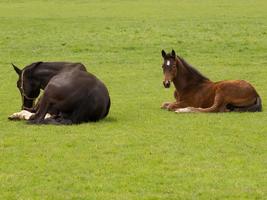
<point x="165" y="105"/>
<point x="172" y="107"/>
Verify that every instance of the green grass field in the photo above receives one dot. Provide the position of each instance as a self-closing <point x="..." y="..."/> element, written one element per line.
<point x="139" y="151"/>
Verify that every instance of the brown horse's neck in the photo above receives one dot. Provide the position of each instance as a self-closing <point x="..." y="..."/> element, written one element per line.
<point x="187" y="76"/>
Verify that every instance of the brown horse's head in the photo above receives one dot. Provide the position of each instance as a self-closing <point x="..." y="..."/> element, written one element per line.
<point x="169" y="67"/>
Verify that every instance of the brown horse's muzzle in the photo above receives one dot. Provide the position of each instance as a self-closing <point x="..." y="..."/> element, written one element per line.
<point x="167" y="83"/>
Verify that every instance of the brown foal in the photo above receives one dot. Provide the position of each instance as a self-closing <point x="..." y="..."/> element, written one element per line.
<point x="196" y="93"/>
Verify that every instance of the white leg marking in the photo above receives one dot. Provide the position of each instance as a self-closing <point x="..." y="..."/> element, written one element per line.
<point x="24" y="114"/>
<point x="48" y="116"/>
<point x="183" y="110"/>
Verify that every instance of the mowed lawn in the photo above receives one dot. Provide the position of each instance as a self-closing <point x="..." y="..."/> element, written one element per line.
<point x="139" y="151"/>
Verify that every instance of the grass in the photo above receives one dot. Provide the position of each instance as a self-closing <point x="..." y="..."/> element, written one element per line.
<point x="138" y="151"/>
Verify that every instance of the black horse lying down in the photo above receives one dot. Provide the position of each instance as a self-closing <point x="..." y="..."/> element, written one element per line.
<point x="71" y="94"/>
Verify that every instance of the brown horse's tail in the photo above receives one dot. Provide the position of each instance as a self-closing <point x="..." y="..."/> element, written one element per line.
<point x="256" y="107"/>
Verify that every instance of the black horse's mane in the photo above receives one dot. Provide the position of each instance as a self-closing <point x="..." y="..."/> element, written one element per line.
<point x="32" y="66"/>
<point x="192" y="69"/>
<point x="29" y="69"/>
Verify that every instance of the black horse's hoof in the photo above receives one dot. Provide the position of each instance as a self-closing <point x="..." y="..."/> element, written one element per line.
<point x="34" y="121"/>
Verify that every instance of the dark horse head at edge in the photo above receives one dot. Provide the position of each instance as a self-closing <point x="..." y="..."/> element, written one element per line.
<point x="34" y="77"/>
<point x="29" y="88"/>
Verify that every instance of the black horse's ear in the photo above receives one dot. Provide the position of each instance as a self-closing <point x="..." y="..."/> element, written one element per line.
<point x="163" y="53"/>
<point x="18" y="71"/>
<point x="173" y="53"/>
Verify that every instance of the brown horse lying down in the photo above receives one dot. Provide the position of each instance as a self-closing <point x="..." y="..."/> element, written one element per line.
<point x="196" y="93"/>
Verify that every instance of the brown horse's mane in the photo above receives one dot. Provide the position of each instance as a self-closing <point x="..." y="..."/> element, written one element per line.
<point x="192" y="70"/>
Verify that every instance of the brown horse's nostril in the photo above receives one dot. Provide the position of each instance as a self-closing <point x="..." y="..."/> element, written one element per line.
<point x="166" y="84"/>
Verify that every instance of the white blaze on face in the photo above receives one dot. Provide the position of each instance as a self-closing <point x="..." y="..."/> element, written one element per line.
<point x="168" y="63"/>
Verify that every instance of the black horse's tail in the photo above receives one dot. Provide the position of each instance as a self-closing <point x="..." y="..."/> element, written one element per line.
<point x="256" y="107"/>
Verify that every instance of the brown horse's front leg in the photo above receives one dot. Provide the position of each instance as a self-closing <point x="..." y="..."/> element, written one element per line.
<point x="165" y="105"/>
<point x="172" y="105"/>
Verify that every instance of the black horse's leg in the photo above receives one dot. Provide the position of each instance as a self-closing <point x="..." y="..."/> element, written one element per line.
<point x="39" y="116"/>
<point x="35" y="107"/>
<point x="57" y="121"/>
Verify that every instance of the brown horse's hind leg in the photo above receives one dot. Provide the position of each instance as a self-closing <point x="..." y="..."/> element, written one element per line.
<point x="252" y="107"/>
<point x="218" y="106"/>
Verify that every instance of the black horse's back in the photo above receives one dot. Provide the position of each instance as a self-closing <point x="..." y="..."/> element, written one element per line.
<point x="59" y="65"/>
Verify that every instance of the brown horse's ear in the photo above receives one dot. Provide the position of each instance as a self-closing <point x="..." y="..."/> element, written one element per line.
<point x="163" y="53"/>
<point x="18" y="71"/>
<point x="173" y="53"/>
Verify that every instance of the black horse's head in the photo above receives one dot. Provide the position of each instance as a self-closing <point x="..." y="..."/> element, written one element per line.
<point x="28" y="86"/>
<point x="169" y="67"/>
